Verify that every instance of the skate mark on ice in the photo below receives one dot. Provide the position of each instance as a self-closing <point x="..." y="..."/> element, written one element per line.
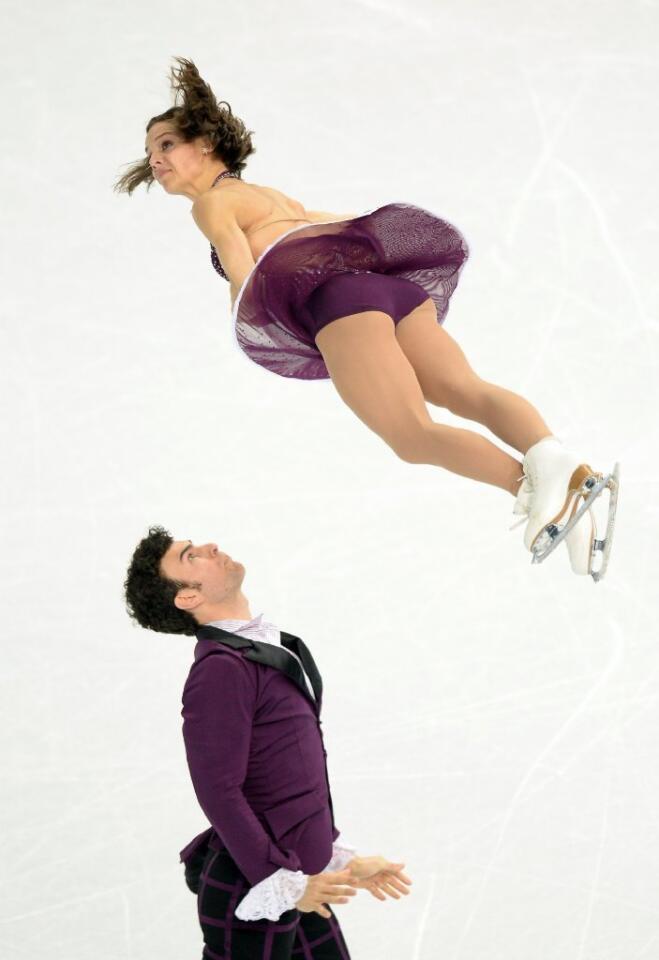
<point x="613" y="664"/>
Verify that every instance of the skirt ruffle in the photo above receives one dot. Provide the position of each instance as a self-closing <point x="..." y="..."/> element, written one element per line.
<point x="271" y="321"/>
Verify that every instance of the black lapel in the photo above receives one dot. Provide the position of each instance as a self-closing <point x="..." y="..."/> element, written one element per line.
<point x="266" y="653"/>
<point x="299" y="647"/>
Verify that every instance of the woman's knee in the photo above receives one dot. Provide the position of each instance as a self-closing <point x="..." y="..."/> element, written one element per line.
<point x="462" y="396"/>
<point x="411" y="446"/>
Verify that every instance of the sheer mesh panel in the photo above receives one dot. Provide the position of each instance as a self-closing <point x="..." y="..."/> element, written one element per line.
<point x="271" y="319"/>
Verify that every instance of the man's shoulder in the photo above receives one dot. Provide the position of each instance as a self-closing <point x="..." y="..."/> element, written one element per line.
<point x="214" y="662"/>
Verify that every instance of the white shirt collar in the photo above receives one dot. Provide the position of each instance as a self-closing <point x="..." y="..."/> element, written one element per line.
<point x="258" y="629"/>
<point x="255" y="629"/>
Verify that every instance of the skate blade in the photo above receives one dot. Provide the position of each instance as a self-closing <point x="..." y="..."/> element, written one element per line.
<point x="603" y="547"/>
<point x="547" y="540"/>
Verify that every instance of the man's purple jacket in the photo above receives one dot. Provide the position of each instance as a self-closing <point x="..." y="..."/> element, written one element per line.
<point x="256" y="755"/>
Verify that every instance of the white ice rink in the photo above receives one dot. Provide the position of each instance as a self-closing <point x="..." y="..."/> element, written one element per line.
<point x="492" y="724"/>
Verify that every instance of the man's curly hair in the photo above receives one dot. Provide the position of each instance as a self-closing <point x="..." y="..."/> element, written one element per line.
<point x="196" y="113"/>
<point x="149" y="595"/>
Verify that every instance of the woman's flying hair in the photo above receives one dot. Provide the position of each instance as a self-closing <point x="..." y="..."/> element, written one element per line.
<point x="196" y="113"/>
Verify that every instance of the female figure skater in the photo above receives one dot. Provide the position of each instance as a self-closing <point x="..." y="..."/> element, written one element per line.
<point x="361" y="299"/>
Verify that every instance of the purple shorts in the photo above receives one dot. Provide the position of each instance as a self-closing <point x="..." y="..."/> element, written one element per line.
<point x="348" y="293"/>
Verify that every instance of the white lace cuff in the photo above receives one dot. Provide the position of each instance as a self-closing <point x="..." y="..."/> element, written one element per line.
<point x="342" y="854"/>
<point x="269" y="898"/>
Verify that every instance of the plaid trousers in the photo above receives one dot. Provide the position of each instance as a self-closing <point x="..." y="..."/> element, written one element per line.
<point x="295" y="936"/>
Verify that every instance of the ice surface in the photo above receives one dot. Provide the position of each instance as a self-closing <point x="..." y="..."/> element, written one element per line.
<point x="490" y="723"/>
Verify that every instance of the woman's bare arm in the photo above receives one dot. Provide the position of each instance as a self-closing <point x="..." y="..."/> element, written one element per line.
<point x="215" y="215"/>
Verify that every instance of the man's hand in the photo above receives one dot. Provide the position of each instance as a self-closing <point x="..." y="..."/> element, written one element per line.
<point x="380" y="877"/>
<point x="325" y="888"/>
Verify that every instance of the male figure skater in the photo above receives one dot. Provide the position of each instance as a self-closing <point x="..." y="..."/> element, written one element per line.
<point x="272" y="861"/>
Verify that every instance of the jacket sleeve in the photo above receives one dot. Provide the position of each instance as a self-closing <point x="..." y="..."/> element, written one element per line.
<point x="342" y="853"/>
<point x="219" y="702"/>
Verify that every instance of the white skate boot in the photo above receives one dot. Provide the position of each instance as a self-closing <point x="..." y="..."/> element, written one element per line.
<point x="556" y="493"/>
<point x="579" y="541"/>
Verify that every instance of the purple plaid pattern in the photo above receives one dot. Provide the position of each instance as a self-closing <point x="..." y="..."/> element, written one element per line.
<point x="303" y="936"/>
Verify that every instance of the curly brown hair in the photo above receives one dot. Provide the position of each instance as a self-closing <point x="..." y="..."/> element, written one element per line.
<point x="196" y="113"/>
<point x="149" y="594"/>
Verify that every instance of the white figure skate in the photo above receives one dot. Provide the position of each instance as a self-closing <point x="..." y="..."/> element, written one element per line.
<point x="557" y="493"/>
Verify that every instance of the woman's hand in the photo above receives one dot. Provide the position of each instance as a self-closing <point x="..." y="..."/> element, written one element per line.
<point x="323" y="888"/>
<point x="379" y="876"/>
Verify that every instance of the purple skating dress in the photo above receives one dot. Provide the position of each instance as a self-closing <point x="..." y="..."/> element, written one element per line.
<point x="272" y="320"/>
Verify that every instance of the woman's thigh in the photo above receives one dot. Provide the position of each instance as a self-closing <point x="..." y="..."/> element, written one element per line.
<point x="441" y="367"/>
<point x="373" y="376"/>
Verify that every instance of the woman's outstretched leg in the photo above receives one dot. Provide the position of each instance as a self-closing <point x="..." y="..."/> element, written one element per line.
<point x="447" y="380"/>
<point x="376" y="380"/>
<point x="553" y="487"/>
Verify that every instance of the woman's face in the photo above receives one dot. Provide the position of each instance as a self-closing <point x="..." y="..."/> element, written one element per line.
<point x="175" y="164"/>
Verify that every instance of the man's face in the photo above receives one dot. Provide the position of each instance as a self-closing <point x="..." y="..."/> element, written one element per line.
<point x="213" y="577"/>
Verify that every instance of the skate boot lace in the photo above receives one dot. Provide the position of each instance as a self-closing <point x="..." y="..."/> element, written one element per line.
<point x="523" y="501"/>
